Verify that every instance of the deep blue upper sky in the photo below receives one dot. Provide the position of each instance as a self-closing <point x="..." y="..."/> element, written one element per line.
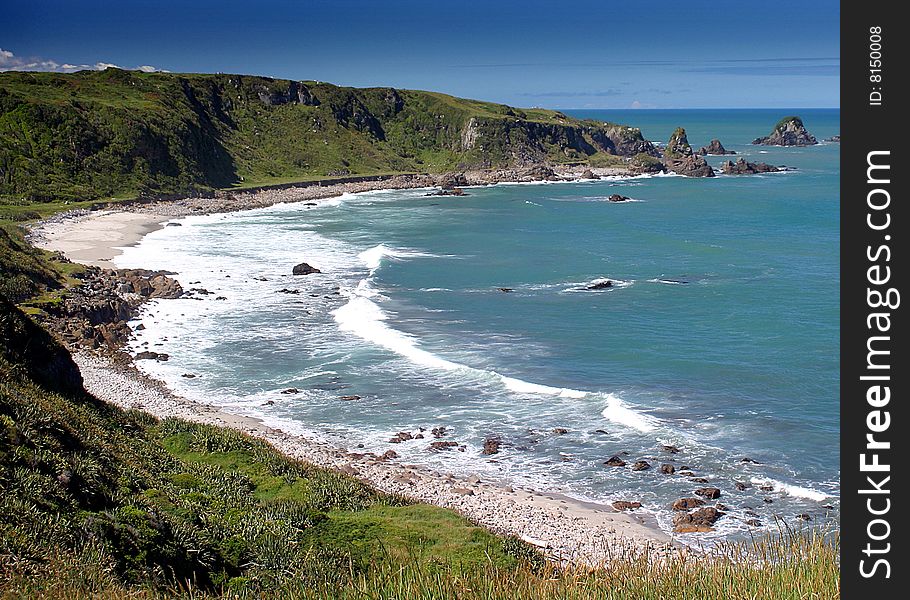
<point x="583" y="54"/>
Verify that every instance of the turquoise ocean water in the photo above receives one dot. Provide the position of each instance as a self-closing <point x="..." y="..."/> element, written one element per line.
<point x="720" y="338"/>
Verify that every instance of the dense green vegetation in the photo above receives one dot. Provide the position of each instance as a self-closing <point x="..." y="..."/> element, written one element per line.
<point x="111" y="134"/>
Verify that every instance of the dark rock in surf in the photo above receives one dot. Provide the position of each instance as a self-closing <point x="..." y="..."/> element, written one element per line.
<point x="617" y="198"/>
<point x="641" y="465"/>
<point x="305" y="269"/>
<point x="601" y="284"/>
<point x="708" y="492"/>
<point x="622" y="505"/>
<point x="667" y="469"/>
<point x="491" y="445"/>
<point x="437" y="446"/>
<point x="687" y="503"/>
<point x="615" y="461"/>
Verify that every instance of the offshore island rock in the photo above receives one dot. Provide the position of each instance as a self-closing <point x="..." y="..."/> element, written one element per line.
<point x="789" y="131"/>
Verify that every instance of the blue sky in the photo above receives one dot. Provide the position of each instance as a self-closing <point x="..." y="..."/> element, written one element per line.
<point x="583" y="54"/>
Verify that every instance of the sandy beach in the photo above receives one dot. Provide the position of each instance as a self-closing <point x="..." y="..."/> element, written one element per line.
<point x="566" y="529"/>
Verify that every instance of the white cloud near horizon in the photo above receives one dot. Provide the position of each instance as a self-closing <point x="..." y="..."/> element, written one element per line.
<point x="11" y="62"/>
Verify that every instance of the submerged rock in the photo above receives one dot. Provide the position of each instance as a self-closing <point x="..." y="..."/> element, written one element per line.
<point x="615" y="461"/>
<point x="618" y="198"/>
<point x="641" y="465"/>
<point x="436" y="446"/>
<point x="491" y="445"/>
<point x="789" y="131"/>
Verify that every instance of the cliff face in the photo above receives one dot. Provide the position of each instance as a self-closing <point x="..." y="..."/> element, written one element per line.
<point x="96" y="134"/>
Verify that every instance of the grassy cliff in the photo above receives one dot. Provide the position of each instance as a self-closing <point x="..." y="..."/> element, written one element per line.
<point x="102" y="134"/>
<point x="99" y="498"/>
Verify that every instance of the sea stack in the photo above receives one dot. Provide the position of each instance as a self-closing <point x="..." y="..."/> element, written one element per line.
<point x="679" y="158"/>
<point x="789" y="131"/>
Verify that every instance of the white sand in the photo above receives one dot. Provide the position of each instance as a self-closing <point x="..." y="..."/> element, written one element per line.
<point x="95" y="239"/>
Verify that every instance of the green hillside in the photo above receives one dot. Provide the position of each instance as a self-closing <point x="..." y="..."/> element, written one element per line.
<point x="101" y="134"/>
<point x="100" y="497"/>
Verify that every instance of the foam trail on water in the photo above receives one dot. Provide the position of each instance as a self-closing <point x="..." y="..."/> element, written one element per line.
<point x="526" y="387"/>
<point x="365" y="319"/>
<point x="617" y="412"/>
<point x="362" y="317"/>
<point x="792" y="490"/>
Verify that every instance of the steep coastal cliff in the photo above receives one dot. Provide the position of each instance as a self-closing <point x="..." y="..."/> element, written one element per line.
<point x="93" y="135"/>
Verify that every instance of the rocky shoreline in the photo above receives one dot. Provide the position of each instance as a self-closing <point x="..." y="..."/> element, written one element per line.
<point x="564" y="529"/>
<point x="92" y="321"/>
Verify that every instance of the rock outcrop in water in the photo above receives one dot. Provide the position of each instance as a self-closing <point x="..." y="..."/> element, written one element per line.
<point x="789" y="131"/>
<point x="305" y="269"/>
<point x="679" y="157"/>
<point x="743" y="167"/>
<point x="714" y="148"/>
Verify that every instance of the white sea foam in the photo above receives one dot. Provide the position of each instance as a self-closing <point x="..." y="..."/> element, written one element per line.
<point x="372" y="258"/>
<point x="792" y="490"/>
<point x="617" y="412"/>
<point x="586" y="285"/>
<point x="526" y="387"/>
<point x="667" y="281"/>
